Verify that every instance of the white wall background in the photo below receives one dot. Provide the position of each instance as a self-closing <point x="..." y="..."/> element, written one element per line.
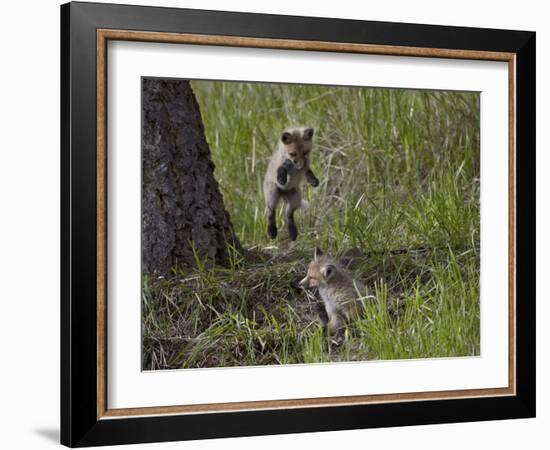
<point x="29" y="226"/>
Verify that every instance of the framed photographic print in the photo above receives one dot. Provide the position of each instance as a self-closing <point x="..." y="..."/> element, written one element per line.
<point x="276" y="224"/>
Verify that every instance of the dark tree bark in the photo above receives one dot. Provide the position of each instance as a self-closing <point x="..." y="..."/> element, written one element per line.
<point x="182" y="206"/>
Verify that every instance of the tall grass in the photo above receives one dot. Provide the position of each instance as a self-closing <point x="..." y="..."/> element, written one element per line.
<point x="398" y="169"/>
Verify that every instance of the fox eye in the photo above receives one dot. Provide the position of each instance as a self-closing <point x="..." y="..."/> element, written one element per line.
<point x="293" y="155"/>
<point x="286" y="138"/>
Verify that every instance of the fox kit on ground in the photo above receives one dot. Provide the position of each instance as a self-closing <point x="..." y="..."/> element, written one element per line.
<point x="288" y="168"/>
<point x="341" y="294"/>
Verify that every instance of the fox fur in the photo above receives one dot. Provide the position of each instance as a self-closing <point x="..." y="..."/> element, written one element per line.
<point x="288" y="169"/>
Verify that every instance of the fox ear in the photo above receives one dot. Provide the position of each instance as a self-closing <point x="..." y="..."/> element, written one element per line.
<point x="317" y="252"/>
<point x="286" y="138"/>
<point x="327" y="271"/>
<point x="308" y="134"/>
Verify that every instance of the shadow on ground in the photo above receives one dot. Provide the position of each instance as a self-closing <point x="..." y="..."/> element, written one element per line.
<point x="50" y="434"/>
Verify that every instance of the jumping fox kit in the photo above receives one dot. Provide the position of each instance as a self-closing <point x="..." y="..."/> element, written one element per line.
<point x="339" y="291"/>
<point x="288" y="168"/>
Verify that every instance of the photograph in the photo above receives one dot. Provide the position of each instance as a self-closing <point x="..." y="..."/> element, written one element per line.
<point x="303" y="224"/>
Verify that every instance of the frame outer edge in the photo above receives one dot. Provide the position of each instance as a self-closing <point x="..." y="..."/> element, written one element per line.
<point x="79" y="262"/>
<point x="79" y="427"/>
<point x="65" y="333"/>
<point x="526" y="225"/>
<point x="306" y="28"/>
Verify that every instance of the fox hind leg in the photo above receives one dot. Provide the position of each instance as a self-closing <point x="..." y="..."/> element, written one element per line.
<point x="272" y="197"/>
<point x="293" y="201"/>
<point x="271" y="224"/>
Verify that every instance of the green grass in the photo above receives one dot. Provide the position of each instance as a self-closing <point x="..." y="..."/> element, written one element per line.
<point x="398" y="169"/>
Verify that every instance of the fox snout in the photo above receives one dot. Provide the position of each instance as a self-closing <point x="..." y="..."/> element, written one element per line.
<point x="304" y="282"/>
<point x="299" y="165"/>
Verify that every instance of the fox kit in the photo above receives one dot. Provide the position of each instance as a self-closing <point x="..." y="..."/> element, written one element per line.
<point x="340" y="293"/>
<point x="288" y="169"/>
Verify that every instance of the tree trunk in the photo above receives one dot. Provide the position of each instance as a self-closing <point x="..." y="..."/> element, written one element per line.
<point x="183" y="212"/>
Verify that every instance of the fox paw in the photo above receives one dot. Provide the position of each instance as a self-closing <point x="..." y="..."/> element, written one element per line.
<point x="292" y="232"/>
<point x="282" y="176"/>
<point x="311" y="178"/>
<point x="272" y="231"/>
